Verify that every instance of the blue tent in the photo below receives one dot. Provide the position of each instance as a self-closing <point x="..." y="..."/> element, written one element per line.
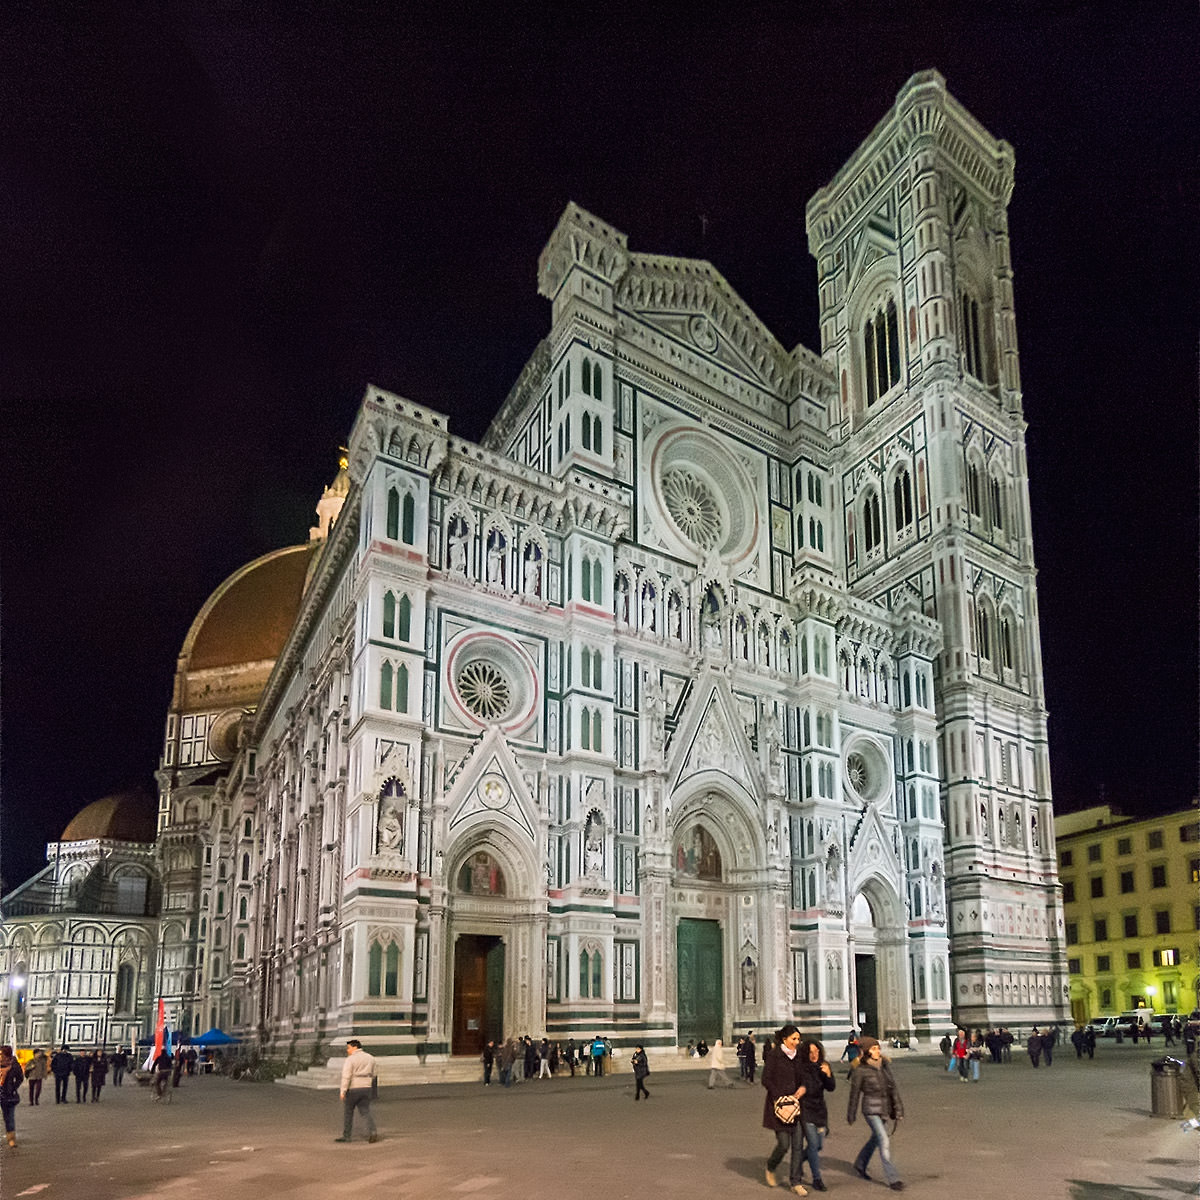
<point x="214" y="1037"/>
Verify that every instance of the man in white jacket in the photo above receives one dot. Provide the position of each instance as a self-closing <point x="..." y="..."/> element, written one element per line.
<point x="358" y="1086"/>
<point x="717" y="1072"/>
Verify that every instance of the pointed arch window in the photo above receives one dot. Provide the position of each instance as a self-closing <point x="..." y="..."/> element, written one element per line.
<point x="587" y="426"/>
<point x="974" y="495"/>
<point x="393" y="514"/>
<point x="596" y="382"/>
<point x="881" y="352"/>
<point x="902" y="503"/>
<point x="872" y="523"/>
<point x="984" y="632"/>
<point x="408" y="518"/>
<point x="999" y="504"/>
<point x="973" y="359"/>
<point x="1007" y="660"/>
<point x="587" y="376"/>
<point x="125" y="992"/>
<point x="386" y="679"/>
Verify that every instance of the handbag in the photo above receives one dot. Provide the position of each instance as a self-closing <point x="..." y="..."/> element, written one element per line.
<point x="787" y="1109"/>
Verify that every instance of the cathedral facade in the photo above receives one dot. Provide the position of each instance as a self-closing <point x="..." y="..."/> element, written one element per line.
<point x="705" y="694"/>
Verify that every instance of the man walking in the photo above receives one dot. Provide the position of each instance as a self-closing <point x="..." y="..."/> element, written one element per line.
<point x="716" y="1073"/>
<point x="60" y="1068"/>
<point x="359" y="1082"/>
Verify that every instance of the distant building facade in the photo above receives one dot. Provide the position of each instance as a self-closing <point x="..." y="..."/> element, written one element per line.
<point x="704" y="695"/>
<point x="1131" y="897"/>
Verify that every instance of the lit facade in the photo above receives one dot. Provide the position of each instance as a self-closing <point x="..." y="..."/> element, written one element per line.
<point x="1131" y="897"/>
<point x="704" y="694"/>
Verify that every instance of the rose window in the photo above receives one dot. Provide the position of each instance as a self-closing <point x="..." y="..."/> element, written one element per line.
<point x="858" y="773"/>
<point x="484" y="690"/>
<point x="693" y="508"/>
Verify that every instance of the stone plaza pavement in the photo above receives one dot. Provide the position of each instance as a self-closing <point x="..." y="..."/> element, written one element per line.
<point x="1076" y="1131"/>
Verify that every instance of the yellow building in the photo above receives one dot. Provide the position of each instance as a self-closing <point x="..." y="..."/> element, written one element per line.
<point x="1131" y="898"/>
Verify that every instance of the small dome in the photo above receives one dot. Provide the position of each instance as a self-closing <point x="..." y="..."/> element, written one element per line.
<point x="248" y="618"/>
<point x="124" y="817"/>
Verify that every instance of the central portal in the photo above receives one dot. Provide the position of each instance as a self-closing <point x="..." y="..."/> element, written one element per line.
<point x="700" y="974"/>
<point x="478" y="993"/>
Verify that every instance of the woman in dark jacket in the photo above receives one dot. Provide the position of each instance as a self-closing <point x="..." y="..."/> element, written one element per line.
<point x="641" y="1068"/>
<point x="781" y="1077"/>
<point x="10" y="1080"/>
<point x="99" y="1074"/>
<point x="816" y="1076"/>
<point x="871" y="1082"/>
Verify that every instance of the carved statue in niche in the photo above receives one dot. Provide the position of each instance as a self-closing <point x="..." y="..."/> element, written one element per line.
<point x="532" y="582"/>
<point x="697" y="856"/>
<point x="622" y="590"/>
<point x="773" y="738"/>
<point x="496" y="548"/>
<point x="458" y="546"/>
<point x="833" y="875"/>
<point x="711" y="623"/>
<point x="656" y="713"/>
<point x="749" y="981"/>
<point x="648" y="600"/>
<point x="674" y="616"/>
<point x="390" y="826"/>
<point x="593" y="845"/>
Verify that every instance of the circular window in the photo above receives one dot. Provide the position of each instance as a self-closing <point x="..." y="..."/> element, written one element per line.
<point x="707" y="500"/>
<point x="484" y="690"/>
<point x="693" y="507"/>
<point x="867" y="770"/>
<point x="492" y="681"/>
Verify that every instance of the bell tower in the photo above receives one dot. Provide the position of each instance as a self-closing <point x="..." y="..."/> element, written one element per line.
<point x="928" y="446"/>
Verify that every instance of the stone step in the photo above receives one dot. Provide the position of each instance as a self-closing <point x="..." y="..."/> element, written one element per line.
<point x="401" y="1070"/>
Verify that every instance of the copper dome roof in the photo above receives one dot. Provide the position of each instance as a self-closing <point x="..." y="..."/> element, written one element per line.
<point x="124" y="817"/>
<point x="248" y="618"/>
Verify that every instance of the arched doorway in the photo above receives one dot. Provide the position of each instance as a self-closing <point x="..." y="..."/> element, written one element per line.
<point x="477" y="1012"/>
<point x="700" y="958"/>
<point x="865" y="1008"/>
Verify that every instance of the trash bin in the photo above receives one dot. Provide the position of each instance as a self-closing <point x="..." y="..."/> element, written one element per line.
<point x="1166" y="1088"/>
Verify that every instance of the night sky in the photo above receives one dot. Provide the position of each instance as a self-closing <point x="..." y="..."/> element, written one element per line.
<point x="220" y="220"/>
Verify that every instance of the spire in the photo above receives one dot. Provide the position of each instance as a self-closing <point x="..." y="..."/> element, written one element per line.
<point x="329" y="507"/>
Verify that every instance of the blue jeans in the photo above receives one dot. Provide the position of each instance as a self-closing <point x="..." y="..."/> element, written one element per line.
<point x="880" y="1141"/>
<point x="813" y="1141"/>
<point x="790" y="1137"/>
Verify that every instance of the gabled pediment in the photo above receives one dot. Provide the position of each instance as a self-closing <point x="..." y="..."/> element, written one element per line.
<point x="872" y="852"/>
<point x="691" y="302"/>
<point x="491" y="788"/>
<point x="711" y="738"/>
<point x="870" y="245"/>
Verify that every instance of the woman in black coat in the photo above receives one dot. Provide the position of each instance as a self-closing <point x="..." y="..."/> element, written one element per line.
<point x="10" y="1081"/>
<point x="816" y="1075"/>
<point x="781" y="1077"/>
<point x="641" y="1068"/>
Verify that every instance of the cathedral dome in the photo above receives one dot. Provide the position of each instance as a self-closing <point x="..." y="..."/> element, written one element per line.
<point x="248" y="618"/>
<point x="122" y="817"/>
